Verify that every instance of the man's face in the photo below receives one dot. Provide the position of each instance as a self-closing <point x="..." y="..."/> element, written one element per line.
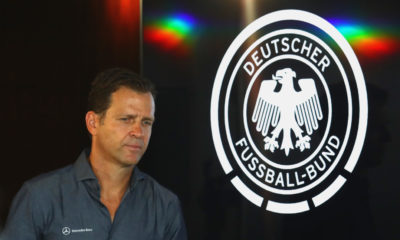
<point x="122" y="135"/>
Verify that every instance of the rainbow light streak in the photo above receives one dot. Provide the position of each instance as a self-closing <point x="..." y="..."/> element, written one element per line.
<point x="367" y="40"/>
<point x="174" y="33"/>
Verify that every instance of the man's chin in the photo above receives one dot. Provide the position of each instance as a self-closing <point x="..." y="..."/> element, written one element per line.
<point x="129" y="161"/>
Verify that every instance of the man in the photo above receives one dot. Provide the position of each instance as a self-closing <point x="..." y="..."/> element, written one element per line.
<point x="103" y="195"/>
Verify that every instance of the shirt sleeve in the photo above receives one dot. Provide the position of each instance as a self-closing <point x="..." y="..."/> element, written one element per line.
<point x="176" y="228"/>
<point x="22" y="221"/>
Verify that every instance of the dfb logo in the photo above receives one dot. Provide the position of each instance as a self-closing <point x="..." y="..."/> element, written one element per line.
<point x="289" y="111"/>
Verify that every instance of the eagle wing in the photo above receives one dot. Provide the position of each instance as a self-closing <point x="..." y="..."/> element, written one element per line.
<point x="266" y="111"/>
<point x="308" y="110"/>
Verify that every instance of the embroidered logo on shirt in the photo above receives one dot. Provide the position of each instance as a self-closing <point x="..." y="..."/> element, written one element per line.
<point x="67" y="231"/>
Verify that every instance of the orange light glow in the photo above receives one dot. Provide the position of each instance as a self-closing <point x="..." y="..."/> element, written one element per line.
<point x="124" y="18"/>
<point x="375" y="47"/>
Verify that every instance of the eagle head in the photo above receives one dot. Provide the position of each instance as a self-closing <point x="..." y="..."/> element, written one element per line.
<point x="284" y="75"/>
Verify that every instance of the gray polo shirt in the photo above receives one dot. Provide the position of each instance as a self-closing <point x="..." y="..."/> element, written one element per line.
<point x="65" y="204"/>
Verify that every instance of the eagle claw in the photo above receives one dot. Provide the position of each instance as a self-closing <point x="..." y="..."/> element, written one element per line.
<point x="303" y="143"/>
<point x="270" y="144"/>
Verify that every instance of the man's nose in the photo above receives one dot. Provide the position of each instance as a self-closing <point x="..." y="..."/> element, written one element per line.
<point x="136" y="130"/>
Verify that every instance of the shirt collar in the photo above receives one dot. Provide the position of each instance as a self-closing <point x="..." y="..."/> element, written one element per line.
<point x="84" y="171"/>
<point x="136" y="177"/>
<point x="82" y="167"/>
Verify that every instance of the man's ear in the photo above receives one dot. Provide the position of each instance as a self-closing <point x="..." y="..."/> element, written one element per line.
<point x="92" y="122"/>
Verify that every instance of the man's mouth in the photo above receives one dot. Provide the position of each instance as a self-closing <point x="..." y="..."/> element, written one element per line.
<point x="133" y="147"/>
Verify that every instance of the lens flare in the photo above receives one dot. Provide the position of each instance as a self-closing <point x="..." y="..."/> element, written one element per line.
<point x="371" y="41"/>
<point x="174" y="33"/>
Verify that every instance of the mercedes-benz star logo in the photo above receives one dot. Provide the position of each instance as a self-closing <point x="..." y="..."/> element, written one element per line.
<point x="66" y="231"/>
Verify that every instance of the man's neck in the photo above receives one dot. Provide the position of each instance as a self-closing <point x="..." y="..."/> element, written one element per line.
<point x="112" y="177"/>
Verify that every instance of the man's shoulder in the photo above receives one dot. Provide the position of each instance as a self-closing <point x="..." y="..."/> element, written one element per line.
<point x="157" y="190"/>
<point x="165" y="207"/>
<point x="50" y="181"/>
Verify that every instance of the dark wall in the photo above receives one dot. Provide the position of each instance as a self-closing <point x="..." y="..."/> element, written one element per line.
<point x="50" y="52"/>
<point x="365" y="208"/>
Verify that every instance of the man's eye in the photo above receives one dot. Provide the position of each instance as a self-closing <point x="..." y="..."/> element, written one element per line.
<point x="124" y="119"/>
<point x="148" y="123"/>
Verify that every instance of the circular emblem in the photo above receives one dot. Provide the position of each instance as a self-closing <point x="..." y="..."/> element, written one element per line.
<point x="289" y="111"/>
<point x="66" y="231"/>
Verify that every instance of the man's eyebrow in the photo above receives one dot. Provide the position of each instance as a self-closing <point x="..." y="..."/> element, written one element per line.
<point x="128" y="115"/>
<point x="134" y="116"/>
<point x="149" y="118"/>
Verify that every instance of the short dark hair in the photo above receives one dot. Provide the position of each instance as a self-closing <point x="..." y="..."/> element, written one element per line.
<point x="109" y="81"/>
